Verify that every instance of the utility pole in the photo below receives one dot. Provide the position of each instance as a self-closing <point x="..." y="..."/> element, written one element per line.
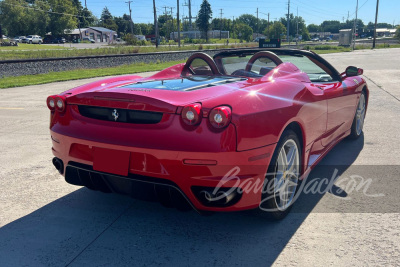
<point x="355" y="27"/>
<point x="376" y="21"/>
<point x="172" y="23"/>
<point x="297" y="20"/>
<point x="177" y="22"/>
<point x="165" y="10"/>
<point x="130" y="15"/>
<point x="155" y="22"/>
<point x="190" y="15"/>
<point x="220" y="25"/>
<point x="258" y="27"/>
<point x="268" y="27"/>
<point x="85" y="4"/>
<point x="288" y="19"/>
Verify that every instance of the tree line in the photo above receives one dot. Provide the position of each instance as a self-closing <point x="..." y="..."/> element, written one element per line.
<point x="334" y="26"/>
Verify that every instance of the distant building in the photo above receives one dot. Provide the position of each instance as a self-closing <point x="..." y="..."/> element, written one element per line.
<point x="99" y="34"/>
<point x="385" y="32"/>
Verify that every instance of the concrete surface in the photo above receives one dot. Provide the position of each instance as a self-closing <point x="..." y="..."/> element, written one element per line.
<point x="47" y="222"/>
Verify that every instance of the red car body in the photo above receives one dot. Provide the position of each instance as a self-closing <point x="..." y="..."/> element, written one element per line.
<point x="154" y="153"/>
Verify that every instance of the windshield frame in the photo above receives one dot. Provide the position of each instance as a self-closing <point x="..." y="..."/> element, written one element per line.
<point x="313" y="57"/>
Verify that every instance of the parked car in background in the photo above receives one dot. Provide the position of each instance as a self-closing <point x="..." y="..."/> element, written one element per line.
<point x="33" y="39"/>
<point x="4" y="37"/>
<point x="89" y="40"/>
<point x="58" y="40"/>
<point x="316" y="39"/>
<point x="258" y="39"/>
<point x="47" y="40"/>
<point x="18" y="39"/>
<point x="27" y="39"/>
<point x="24" y="40"/>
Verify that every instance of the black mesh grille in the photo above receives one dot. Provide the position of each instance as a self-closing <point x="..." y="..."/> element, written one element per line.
<point x="120" y="115"/>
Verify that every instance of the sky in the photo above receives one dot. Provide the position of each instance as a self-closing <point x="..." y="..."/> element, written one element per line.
<point x="312" y="11"/>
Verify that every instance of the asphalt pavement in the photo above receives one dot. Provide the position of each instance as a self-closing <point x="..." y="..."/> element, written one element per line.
<point x="46" y="222"/>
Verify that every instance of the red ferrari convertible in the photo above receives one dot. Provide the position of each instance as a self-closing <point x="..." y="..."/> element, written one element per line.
<point x="233" y="132"/>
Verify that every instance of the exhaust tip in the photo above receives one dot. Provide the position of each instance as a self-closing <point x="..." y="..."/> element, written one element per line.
<point x="223" y="197"/>
<point x="58" y="164"/>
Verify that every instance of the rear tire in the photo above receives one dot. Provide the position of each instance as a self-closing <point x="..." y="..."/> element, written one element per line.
<point x="359" y="117"/>
<point x="282" y="179"/>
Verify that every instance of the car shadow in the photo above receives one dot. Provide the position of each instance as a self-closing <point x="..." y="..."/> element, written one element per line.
<point x="92" y="228"/>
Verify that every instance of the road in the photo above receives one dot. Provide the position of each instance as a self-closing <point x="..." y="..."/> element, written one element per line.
<point x="46" y="222"/>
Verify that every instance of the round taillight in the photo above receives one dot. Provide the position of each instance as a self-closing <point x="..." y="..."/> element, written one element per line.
<point x="60" y="103"/>
<point x="191" y="114"/>
<point x="220" y="117"/>
<point x="51" y="103"/>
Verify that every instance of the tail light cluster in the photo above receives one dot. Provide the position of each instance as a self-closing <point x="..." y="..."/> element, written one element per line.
<point x="192" y="114"/>
<point x="218" y="117"/>
<point x="56" y="102"/>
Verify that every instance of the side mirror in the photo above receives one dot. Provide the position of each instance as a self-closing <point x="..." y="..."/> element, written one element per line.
<point x="353" y="71"/>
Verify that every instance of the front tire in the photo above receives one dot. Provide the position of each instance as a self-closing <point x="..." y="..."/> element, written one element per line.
<point x="359" y="117"/>
<point x="282" y="179"/>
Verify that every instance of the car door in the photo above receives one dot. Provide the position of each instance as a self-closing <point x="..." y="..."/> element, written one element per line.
<point x="341" y="99"/>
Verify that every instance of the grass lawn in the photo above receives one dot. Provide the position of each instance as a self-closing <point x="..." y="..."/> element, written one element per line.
<point x="30" y="47"/>
<point x="8" y="82"/>
<point x="9" y="53"/>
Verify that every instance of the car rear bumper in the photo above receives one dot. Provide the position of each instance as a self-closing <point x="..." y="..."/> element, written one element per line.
<point x="154" y="174"/>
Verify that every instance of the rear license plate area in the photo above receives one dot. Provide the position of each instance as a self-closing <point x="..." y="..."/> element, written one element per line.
<point x="111" y="161"/>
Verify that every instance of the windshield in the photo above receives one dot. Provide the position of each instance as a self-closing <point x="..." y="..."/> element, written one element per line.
<point x="314" y="72"/>
<point x="238" y="65"/>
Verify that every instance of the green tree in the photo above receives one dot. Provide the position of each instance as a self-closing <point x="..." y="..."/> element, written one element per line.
<point x="276" y="30"/>
<point x="243" y="31"/>
<point x="227" y="24"/>
<point x="162" y="20"/>
<point x="249" y="20"/>
<point x="203" y="18"/>
<point x="107" y="20"/>
<point x="313" y="28"/>
<point x="398" y="33"/>
<point x="332" y="26"/>
<point x="170" y="26"/>
<point x="123" y="24"/>
<point x="349" y="24"/>
<point x="146" y="28"/>
<point x="294" y="20"/>
<point x="86" y="18"/>
<point x="17" y="19"/>
<point x="63" y="16"/>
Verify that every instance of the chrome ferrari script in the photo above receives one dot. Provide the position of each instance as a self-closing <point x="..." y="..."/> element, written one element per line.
<point x="115" y="114"/>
